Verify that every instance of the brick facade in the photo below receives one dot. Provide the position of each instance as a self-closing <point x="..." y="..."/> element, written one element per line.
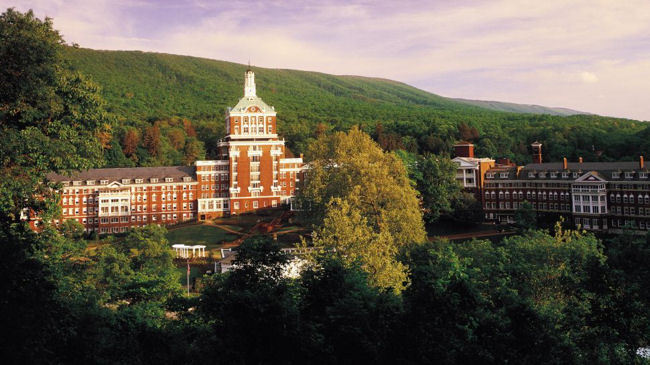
<point x="251" y="173"/>
<point x="597" y="196"/>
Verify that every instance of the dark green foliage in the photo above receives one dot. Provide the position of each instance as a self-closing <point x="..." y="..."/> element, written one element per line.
<point x="50" y="116"/>
<point x="346" y="320"/>
<point x="525" y="217"/>
<point x="143" y="87"/>
<point x="253" y="309"/>
<point x="434" y="177"/>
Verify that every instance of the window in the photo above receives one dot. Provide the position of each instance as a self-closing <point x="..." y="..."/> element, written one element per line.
<point x="153" y="180"/>
<point x="531" y="175"/>
<point x="643" y="175"/>
<point x="629" y="175"/>
<point x="616" y="175"/>
<point x="255" y="204"/>
<point x="235" y="205"/>
<point x="169" y="179"/>
<point x="103" y="182"/>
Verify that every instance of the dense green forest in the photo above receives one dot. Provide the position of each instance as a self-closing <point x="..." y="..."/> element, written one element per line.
<point x="374" y="289"/>
<point x="144" y="88"/>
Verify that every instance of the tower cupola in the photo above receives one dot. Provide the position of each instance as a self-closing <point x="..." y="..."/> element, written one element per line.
<point x="249" y="84"/>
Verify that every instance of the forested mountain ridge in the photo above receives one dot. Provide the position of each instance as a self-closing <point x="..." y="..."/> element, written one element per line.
<point x="520" y="108"/>
<point x="141" y="88"/>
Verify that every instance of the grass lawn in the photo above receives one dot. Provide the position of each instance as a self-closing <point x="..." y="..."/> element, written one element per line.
<point x="209" y="236"/>
<point x="245" y="221"/>
<point x="234" y="228"/>
<point x="292" y="228"/>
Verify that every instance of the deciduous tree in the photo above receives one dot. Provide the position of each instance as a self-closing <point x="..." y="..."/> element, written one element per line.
<point x="361" y="202"/>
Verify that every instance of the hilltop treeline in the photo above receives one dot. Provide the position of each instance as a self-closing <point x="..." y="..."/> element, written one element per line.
<point x="144" y="88"/>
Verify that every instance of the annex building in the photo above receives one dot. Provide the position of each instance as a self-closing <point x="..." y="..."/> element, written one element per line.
<point x="597" y="196"/>
<point x="251" y="172"/>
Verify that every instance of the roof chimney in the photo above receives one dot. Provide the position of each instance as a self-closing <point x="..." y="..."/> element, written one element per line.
<point x="537" y="152"/>
<point x="641" y="163"/>
<point x="580" y="159"/>
<point x="565" y="164"/>
<point x="464" y="149"/>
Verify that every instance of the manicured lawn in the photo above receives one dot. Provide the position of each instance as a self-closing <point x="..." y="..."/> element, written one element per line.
<point x="234" y="228"/>
<point x="245" y="221"/>
<point x="209" y="236"/>
<point x="292" y="228"/>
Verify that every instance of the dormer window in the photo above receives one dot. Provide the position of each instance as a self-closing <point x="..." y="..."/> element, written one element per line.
<point x="169" y="179"/>
<point x="629" y="174"/>
<point x="643" y="175"/>
<point x="90" y="182"/>
<point x="503" y="175"/>
<point x="489" y="175"/>
<point x="126" y="181"/>
<point x="153" y="179"/>
<point x="565" y="175"/>
<point x="531" y="175"/>
<point x="616" y="175"/>
<point x="103" y="182"/>
<point x="575" y="175"/>
<point x="187" y="178"/>
<point x="65" y="183"/>
<point x="138" y="181"/>
<point x="553" y="175"/>
<point x="542" y="175"/>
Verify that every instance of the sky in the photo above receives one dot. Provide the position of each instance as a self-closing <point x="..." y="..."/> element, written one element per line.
<point x="591" y="55"/>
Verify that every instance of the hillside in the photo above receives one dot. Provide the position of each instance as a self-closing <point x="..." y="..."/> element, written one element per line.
<point x="520" y="108"/>
<point x="145" y="85"/>
<point x="141" y="88"/>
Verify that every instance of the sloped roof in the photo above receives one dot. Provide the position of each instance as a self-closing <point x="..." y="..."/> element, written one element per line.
<point x="248" y="101"/>
<point x="117" y="174"/>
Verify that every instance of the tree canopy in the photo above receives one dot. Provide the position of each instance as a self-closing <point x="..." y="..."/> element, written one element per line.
<point x="362" y="204"/>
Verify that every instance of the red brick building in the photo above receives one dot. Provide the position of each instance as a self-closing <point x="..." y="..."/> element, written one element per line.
<point x="597" y="196"/>
<point x="252" y="172"/>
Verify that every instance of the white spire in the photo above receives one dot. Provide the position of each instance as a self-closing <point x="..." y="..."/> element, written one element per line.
<point x="249" y="84"/>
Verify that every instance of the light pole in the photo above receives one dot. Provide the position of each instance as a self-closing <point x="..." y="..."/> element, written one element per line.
<point x="188" y="276"/>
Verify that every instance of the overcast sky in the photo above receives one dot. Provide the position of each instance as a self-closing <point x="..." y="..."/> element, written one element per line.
<point x="591" y="55"/>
